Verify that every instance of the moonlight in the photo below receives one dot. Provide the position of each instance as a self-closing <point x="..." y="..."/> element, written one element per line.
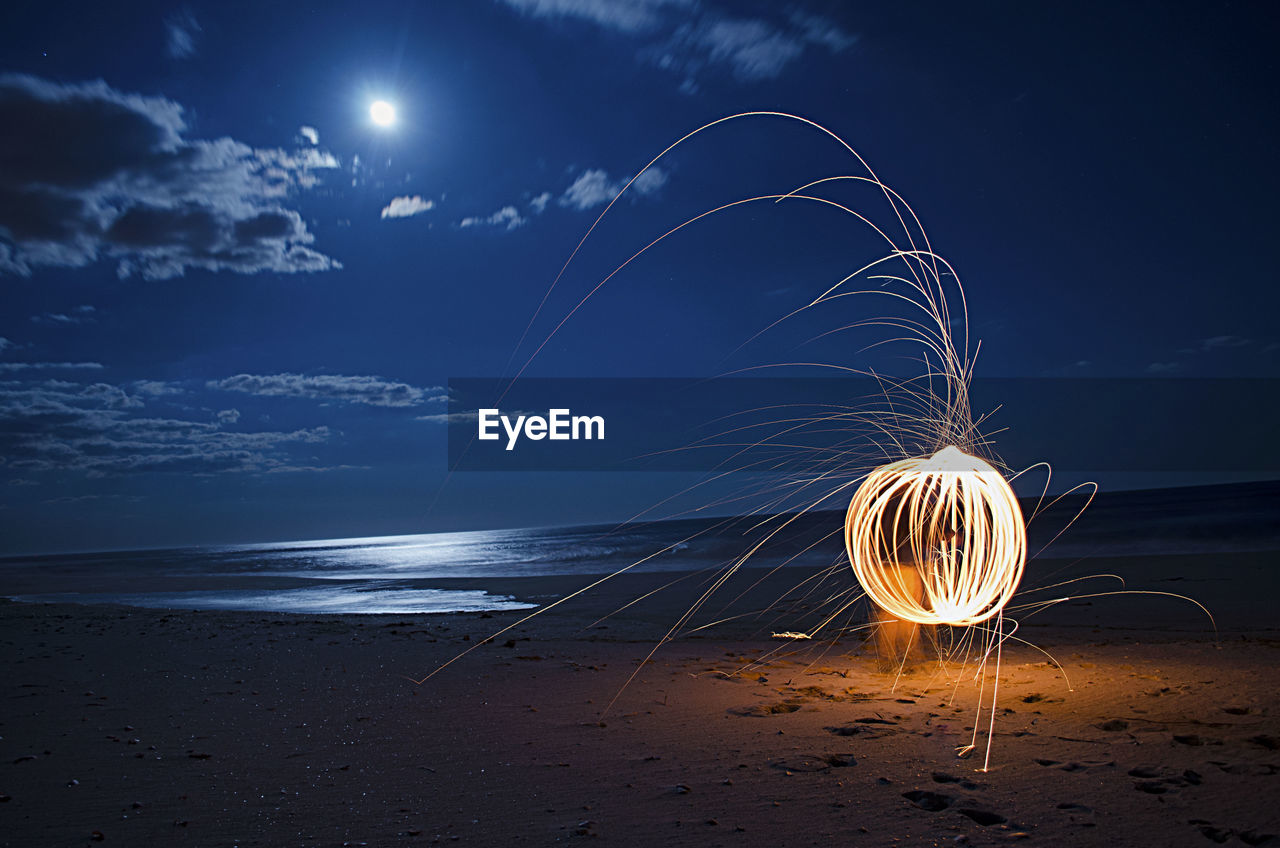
<point x="382" y="113"/>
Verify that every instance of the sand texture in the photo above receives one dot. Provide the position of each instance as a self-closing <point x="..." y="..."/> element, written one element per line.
<point x="148" y="727"/>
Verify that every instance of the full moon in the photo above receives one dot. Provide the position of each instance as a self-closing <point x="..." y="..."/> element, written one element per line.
<point x="382" y="113"/>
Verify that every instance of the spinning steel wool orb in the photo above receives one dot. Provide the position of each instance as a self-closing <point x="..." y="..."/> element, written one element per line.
<point x="937" y="540"/>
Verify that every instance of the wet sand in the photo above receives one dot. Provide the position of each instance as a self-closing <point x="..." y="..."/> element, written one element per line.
<point x="148" y="727"/>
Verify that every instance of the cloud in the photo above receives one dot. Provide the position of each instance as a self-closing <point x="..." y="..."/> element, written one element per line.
<point x="508" y="217"/>
<point x="181" y="30"/>
<point x="59" y="396"/>
<point x="5" y="344"/>
<point x="623" y="15"/>
<point x="449" y="417"/>
<point x="1222" y="342"/>
<point x="753" y="49"/>
<point x="76" y="499"/>
<point x="685" y="37"/>
<point x="594" y="188"/>
<point x="55" y="426"/>
<point x="817" y="29"/>
<point x="1163" y="367"/>
<point x="539" y="204"/>
<point x="89" y="172"/>
<point x="591" y="188"/>
<point x="404" y="207"/>
<point x="34" y="366"/>
<point x="311" y="134"/>
<point x="650" y="181"/>
<point x="314" y="469"/>
<point x="372" y="391"/>
<point x="227" y="416"/>
<point x="80" y="315"/>
<point x="156" y="388"/>
<point x="1214" y="344"/>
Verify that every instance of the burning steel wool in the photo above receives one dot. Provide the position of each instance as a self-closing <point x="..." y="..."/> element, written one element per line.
<point x="937" y="540"/>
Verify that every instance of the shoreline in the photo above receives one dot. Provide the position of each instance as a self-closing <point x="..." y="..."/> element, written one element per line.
<point x="1173" y="591"/>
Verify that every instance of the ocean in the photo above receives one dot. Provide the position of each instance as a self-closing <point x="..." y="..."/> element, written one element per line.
<point x="401" y="574"/>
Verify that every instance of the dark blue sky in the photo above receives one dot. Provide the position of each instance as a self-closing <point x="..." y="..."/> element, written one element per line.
<point x="230" y="301"/>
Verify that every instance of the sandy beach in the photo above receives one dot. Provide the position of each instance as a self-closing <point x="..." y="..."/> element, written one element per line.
<point x="128" y="726"/>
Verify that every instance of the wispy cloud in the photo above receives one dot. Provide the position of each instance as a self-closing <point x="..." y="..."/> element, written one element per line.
<point x="83" y="314"/>
<point x="371" y="391"/>
<point x="309" y="134"/>
<point x="156" y="388"/>
<point x="594" y="187"/>
<point x="313" y="469"/>
<point x="688" y="37"/>
<point x="46" y="366"/>
<point x="92" y="172"/>
<point x="753" y="49"/>
<point x="449" y="417"/>
<point x="539" y="204"/>
<point x="1224" y="342"/>
<point x="54" y="426"/>
<point x="632" y="16"/>
<point x="405" y="207"/>
<point x="508" y="218"/>
<point x="591" y="188"/>
<point x="1206" y="351"/>
<point x="25" y="399"/>
<point x="181" y="29"/>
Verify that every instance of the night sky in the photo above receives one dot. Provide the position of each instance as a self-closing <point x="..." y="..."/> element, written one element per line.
<point x="232" y="302"/>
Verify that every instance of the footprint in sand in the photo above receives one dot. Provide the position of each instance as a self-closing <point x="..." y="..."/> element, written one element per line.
<point x="821" y="763"/>
<point x="1087" y="765"/>
<point x="942" y="777"/>
<point x="983" y="817"/>
<point x="869" y="728"/>
<point x="1252" y="769"/>
<point x="933" y="802"/>
<point x="1158" y="781"/>
<point x="1195" y="741"/>
<point x="1074" y="808"/>
<point x="759" y="710"/>
<point x="1217" y="834"/>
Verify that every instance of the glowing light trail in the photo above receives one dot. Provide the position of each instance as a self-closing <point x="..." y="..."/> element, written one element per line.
<point x="938" y="540"/>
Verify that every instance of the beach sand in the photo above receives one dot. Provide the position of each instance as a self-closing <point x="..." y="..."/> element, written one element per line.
<point x="149" y="727"/>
